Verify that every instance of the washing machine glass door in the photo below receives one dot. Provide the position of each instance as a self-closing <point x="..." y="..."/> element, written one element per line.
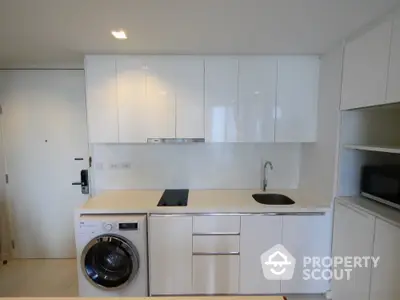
<point x="110" y="261"/>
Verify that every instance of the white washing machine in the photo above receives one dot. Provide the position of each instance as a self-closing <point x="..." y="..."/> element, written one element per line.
<point x="112" y="255"/>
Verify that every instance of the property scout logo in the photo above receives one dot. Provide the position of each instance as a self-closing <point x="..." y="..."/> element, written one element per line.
<point x="278" y="264"/>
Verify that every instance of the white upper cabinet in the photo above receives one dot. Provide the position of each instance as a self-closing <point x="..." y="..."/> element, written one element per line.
<point x="221" y="99"/>
<point x="365" y="68"/>
<point x="393" y="89"/>
<point x="297" y="99"/>
<point x="133" y="108"/>
<point x="315" y="241"/>
<point x="160" y="96"/>
<point x="189" y="92"/>
<point x="101" y="99"/>
<point x="257" y="97"/>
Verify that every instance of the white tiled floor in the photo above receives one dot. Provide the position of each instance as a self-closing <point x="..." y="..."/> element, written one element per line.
<point x="49" y="278"/>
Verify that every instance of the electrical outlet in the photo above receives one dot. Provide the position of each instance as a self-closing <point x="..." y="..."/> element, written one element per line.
<point x="126" y="166"/>
<point x="114" y="166"/>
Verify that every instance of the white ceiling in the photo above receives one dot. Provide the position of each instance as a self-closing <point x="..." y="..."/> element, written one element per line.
<point x="46" y="32"/>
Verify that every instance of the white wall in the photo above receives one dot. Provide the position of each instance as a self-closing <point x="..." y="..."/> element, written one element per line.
<point x="319" y="160"/>
<point x="195" y="166"/>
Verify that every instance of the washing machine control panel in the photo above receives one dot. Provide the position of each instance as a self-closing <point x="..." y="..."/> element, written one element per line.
<point x="108" y="226"/>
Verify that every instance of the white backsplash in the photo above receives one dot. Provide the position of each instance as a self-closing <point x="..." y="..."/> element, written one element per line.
<point x="194" y="166"/>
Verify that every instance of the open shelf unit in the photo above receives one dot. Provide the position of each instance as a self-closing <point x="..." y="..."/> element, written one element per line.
<point x="367" y="137"/>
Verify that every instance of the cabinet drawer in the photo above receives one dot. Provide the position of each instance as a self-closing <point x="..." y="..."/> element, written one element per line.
<point x="216" y="224"/>
<point x="221" y="244"/>
<point x="215" y="274"/>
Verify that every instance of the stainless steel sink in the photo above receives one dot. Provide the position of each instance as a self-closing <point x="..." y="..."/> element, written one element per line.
<point x="273" y="199"/>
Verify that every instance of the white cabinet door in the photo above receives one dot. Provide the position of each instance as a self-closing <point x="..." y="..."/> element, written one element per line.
<point x="306" y="236"/>
<point x="297" y="99"/>
<point x="393" y="89"/>
<point x="365" y="68"/>
<point x="257" y="97"/>
<point x="215" y="274"/>
<point x="101" y="99"/>
<point x="189" y="91"/>
<point x="160" y="97"/>
<point x="133" y="107"/>
<point x="257" y="235"/>
<point x="385" y="278"/>
<point x="353" y="235"/>
<point x="170" y="255"/>
<point x="221" y="99"/>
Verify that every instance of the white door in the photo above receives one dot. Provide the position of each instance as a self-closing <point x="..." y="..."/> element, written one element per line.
<point x="365" y="68"/>
<point x="306" y="236"/>
<point x="297" y="99"/>
<point x="257" y="235"/>
<point x="384" y="279"/>
<point x="221" y="99"/>
<point x="393" y="87"/>
<point x="170" y="254"/>
<point x="353" y="235"/>
<point x="45" y="136"/>
<point x="189" y="91"/>
<point x="257" y="97"/>
<point x="101" y="99"/>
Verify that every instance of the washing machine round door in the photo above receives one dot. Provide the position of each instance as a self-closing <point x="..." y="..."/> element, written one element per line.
<point x="110" y="261"/>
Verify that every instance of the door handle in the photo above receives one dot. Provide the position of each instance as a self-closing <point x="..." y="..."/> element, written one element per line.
<point x="84" y="183"/>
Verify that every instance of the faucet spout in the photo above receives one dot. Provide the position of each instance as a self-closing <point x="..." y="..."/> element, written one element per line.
<point x="267" y="165"/>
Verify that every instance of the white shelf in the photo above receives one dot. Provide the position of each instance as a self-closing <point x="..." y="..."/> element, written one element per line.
<point x="375" y="148"/>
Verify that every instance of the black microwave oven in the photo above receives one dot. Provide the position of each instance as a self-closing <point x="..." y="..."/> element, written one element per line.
<point x="382" y="184"/>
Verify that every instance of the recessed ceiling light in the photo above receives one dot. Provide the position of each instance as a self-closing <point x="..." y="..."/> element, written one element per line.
<point x="119" y="34"/>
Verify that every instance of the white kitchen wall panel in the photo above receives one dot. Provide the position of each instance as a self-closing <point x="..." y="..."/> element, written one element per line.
<point x="257" y="97"/>
<point x="196" y="166"/>
<point x="297" y="99"/>
<point x="101" y="99"/>
<point x="221" y="99"/>
<point x="365" y="68"/>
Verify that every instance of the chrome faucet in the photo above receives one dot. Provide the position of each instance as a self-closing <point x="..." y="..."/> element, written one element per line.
<point x="265" y="179"/>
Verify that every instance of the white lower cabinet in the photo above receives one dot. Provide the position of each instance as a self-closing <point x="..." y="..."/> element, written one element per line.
<point x="257" y="235"/>
<point x="353" y="235"/>
<point x="215" y="274"/>
<point x="385" y="278"/>
<point x="170" y="250"/>
<point x="306" y="236"/>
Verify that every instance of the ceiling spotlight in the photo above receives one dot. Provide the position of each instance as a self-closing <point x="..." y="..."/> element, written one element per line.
<point x="119" y="34"/>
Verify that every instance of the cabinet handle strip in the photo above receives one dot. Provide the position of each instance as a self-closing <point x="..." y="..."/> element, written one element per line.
<point x="215" y="233"/>
<point x="215" y="253"/>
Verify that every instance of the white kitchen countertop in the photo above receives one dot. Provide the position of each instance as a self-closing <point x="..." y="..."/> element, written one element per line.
<point x="199" y="202"/>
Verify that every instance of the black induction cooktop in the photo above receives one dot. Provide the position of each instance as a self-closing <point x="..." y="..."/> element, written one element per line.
<point x="174" y="198"/>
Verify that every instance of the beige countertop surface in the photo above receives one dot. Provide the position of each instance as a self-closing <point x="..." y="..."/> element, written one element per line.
<point x="199" y="202"/>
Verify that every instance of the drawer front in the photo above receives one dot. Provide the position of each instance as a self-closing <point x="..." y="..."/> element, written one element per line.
<point x="221" y="244"/>
<point x="216" y="224"/>
<point x="215" y="274"/>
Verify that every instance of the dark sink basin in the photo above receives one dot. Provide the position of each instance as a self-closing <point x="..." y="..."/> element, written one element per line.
<point x="273" y="199"/>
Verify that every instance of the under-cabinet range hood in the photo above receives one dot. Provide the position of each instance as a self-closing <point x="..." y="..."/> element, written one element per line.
<point x="175" y="140"/>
